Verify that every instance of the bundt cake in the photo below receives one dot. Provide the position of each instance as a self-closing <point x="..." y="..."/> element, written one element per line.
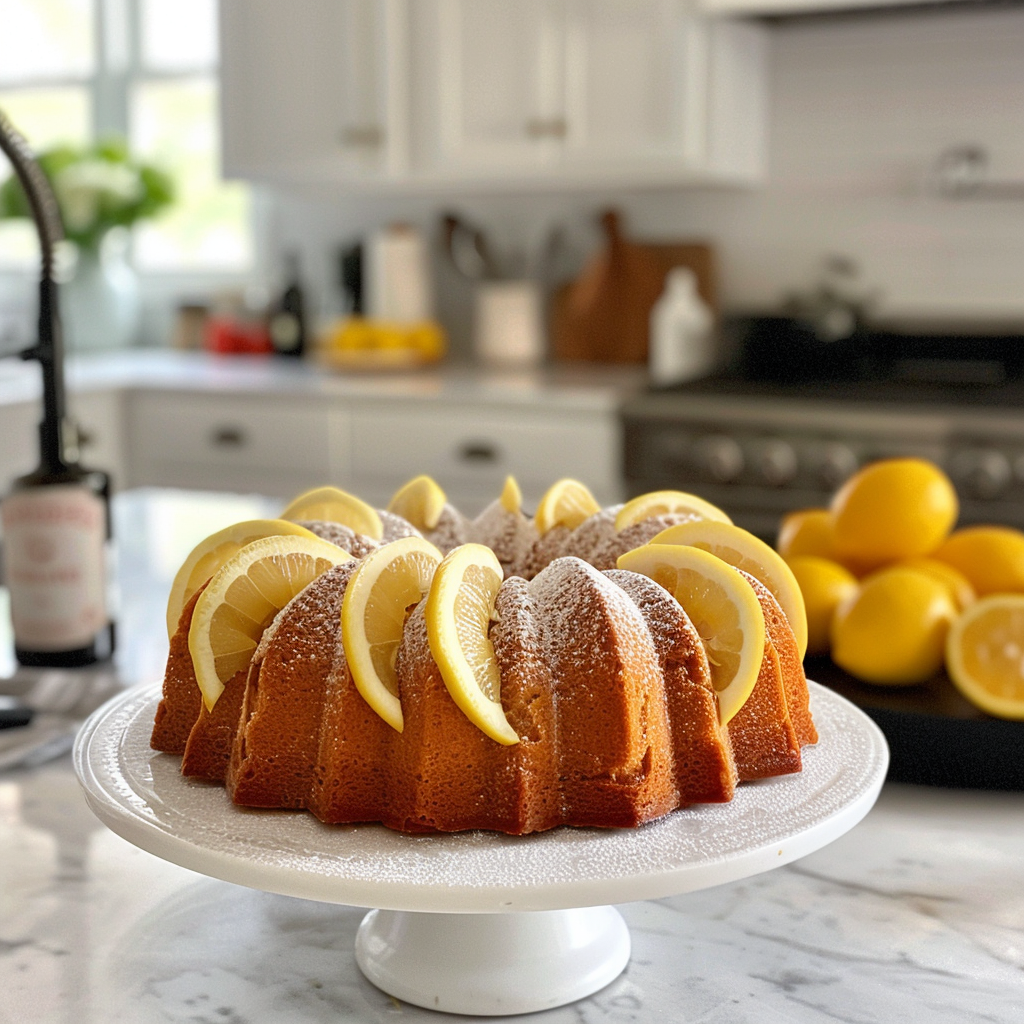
<point x="603" y="681"/>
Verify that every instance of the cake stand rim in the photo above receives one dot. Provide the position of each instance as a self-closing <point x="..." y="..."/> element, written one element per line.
<point x="127" y="814"/>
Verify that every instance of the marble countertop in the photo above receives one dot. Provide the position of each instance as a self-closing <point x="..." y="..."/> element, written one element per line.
<point x="917" y="914"/>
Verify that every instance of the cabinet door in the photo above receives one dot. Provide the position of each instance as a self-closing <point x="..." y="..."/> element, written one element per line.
<point x="19" y="441"/>
<point x="500" y="82"/>
<point x="305" y="90"/>
<point x="634" y="82"/>
<point x="257" y="444"/>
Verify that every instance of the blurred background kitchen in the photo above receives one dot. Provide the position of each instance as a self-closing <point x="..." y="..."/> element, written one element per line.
<point x="738" y="246"/>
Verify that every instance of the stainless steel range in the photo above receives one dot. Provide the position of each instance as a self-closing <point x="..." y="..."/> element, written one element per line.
<point x="783" y="429"/>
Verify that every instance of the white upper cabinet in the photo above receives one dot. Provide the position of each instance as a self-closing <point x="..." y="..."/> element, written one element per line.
<point x="308" y="89"/>
<point x="435" y="93"/>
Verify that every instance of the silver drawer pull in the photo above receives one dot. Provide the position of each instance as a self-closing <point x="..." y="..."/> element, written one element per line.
<point x="228" y="437"/>
<point x="361" y="136"/>
<point x="478" y="451"/>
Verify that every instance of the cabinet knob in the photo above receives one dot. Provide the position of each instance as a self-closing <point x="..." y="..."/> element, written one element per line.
<point x="228" y="437"/>
<point x="361" y="136"/>
<point x="547" y="128"/>
<point x="479" y="452"/>
<point x="720" y="457"/>
<point x="777" y="462"/>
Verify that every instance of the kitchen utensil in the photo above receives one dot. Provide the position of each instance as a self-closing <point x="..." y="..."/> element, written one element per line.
<point x="509" y="328"/>
<point x="467" y="248"/>
<point x="604" y="315"/>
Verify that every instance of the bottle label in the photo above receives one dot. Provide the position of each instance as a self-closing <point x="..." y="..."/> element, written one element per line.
<point x="54" y="566"/>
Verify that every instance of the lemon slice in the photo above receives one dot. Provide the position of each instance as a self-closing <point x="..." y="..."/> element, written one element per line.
<point x="565" y="503"/>
<point x="742" y="549"/>
<point x="511" y="496"/>
<point x="333" y="505"/>
<point x="659" y="503"/>
<point x="373" y="612"/>
<point x="210" y="554"/>
<point x="243" y="597"/>
<point x="985" y="654"/>
<point x="723" y="608"/>
<point x="420" y="502"/>
<point x="459" y="609"/>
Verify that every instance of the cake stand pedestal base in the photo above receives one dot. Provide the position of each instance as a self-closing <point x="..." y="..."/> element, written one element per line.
<point x="492" y="964"/>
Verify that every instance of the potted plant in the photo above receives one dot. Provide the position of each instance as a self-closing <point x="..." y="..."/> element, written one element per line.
<point x="101" y="192"/>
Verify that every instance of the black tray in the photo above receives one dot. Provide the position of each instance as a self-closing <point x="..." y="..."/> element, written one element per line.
<point x="936" y="736"/>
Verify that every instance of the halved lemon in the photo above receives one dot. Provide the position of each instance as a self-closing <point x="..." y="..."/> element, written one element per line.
<point x="210" y="554"/>
<point x="334" y="505"/>
<point x="377" y="601"/>
<point x="420" y="502"/>
<point x="985" y="654"/>
<point x="723" y="608"/>
<point x="659" y="503"/>
<point x="511" y="496"/>
<point x="565" y="503"/>
<point x="742" y="549"/>
<point x="243" y="597"/>
<point x="459" y="609"/>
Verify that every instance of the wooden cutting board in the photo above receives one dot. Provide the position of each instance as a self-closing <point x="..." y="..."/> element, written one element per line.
<point x="604" y="315"/>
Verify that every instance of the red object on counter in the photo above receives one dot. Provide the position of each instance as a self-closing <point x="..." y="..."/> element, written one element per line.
<point x="228" y="336"/>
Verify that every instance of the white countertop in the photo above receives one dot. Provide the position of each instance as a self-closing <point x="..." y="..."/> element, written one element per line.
<point x="917" y="914"/>
<point x="593" y="387"/>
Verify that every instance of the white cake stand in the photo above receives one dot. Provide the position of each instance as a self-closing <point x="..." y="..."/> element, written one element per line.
<point x="451" y="930"/>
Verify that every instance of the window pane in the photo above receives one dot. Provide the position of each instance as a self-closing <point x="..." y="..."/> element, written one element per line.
<point x="46" y="117"/>
<point x="179" y="35"/>
<point x="46" y="39"/>
<point x="174" y="124"/>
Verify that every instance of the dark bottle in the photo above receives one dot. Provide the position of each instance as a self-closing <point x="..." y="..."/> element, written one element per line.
<point x="56" y="519"/>
<point x="287" y="320"/>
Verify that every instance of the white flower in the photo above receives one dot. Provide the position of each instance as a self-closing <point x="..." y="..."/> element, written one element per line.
<point x="84" y="187"/>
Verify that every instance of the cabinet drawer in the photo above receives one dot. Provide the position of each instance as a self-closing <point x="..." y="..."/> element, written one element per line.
<point x="472" y="451"/>
<point x="251" y="442"/>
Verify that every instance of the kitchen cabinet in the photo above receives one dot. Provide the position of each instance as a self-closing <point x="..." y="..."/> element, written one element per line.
<point x="470" y="449"/>
<point x="98" y="418"/>
<point x="312" y="90"/>
<point x="434" y="94"/>
<point x="626" y="90"/>
<point x="19" y="441"/>
<point x="98" y="415"/>
<point x="261" y="444"/>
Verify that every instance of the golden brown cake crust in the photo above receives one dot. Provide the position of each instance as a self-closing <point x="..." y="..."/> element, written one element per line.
<point x="704" y="769"/>
<point x="181" y="700"/>
<point x="275" y="755"/>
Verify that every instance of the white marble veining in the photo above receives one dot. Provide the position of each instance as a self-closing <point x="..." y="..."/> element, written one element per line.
<point x="915" y="915"/>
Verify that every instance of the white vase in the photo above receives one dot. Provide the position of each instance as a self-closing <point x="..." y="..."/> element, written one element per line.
<point x="100" y="302"/>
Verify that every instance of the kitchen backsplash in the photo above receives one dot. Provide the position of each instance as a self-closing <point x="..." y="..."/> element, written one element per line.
<point x="862" y="105"/>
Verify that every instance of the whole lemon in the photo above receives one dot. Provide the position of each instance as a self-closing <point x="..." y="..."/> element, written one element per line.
<point x="960" y="587"/>
<point x="893" y="629"/>
<point x="893" y="509"/>
<point x="808" y="531"/>
<point x="825" y="585"/>
<point x="991" y="557"/>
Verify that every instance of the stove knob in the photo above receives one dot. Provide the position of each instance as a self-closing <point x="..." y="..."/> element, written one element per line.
<point x="777" y="463"/>
<point x="838" y="463"/>
<point x="985" y="473"/>
<point x="720" y="457"/>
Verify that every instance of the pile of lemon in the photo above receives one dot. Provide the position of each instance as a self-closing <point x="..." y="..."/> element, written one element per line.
<point x="894" y="593"/>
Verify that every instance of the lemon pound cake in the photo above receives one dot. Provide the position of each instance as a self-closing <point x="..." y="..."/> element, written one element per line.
<point x="359" y="672"/>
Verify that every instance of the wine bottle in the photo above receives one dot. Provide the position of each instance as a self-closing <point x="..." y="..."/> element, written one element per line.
<point x="56" y="519"/>
<point x="287" y="321"/>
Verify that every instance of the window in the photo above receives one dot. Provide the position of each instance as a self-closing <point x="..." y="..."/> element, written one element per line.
<point x="76" y="70"/>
